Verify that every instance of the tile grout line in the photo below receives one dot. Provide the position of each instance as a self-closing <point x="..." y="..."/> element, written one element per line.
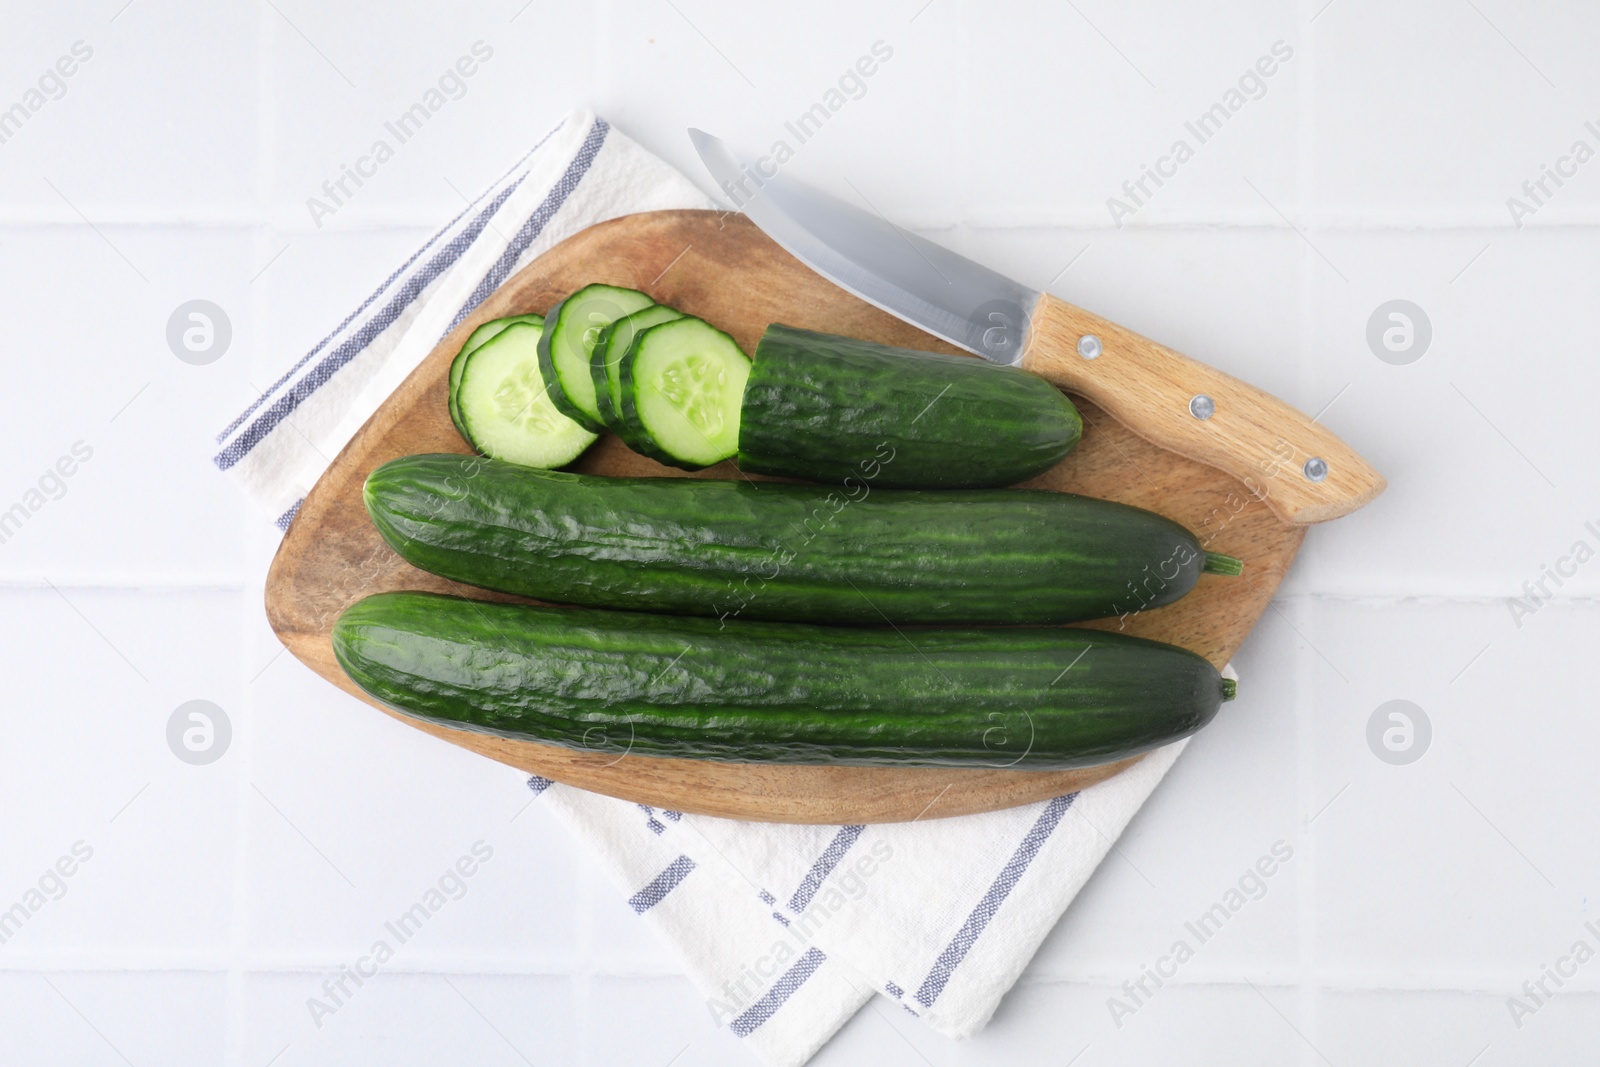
<point x="1305" y="882"/>
<point x="964" y="117"/>
<point x="583" y="978"/>
<point x="1409" y="221"/>
<point x="1478" y="984"/>
<point x="1307" y="977"/>
<point x="24" y="586"/>
<point x="240" y="924"/>
<point x="1221" y="223"/>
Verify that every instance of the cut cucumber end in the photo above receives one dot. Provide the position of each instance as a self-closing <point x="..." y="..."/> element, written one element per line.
<point x="1217" y="563"/>
<point x="1230" y="689"/>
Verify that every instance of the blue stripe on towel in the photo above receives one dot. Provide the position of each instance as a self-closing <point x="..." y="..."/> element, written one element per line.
<point x="661" y="885"/>
<point x="282" y="521"/>
<point x="774" y="998"/>
<point x="655" y="824"/>
<point x="824" y="866"/>
<point x="985" y="909"/>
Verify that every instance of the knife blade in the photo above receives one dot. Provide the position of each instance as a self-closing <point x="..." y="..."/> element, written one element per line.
<point x="862" y="252"/>
<point x="1297" y="467"/>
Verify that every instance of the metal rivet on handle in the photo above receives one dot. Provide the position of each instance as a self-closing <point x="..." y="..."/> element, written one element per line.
<point x="1316" y="468"/>
<point x="1202" y="406"/>
<point x="1088" y="346"/>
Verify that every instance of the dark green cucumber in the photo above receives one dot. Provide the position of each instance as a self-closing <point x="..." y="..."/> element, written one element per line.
<point x="649" y="685"/>
<point x="476" y="340"/>
<point x="770" y="550"/>
<point x="822" y="407"/>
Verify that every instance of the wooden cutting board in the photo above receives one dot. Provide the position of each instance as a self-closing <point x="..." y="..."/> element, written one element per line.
<point x="722" y="269"/>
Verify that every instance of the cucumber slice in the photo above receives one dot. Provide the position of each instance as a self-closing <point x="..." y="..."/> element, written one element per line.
<point x="475" y="341"/>
<point x="682" y="385"/>
<point x="506" y="409"/>
<point x="604" y="364"/>
<point x="564" y="350"/>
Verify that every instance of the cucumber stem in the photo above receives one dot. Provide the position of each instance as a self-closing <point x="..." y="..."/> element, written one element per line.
<point x="1230" y="689"/>
<point x="1217" y="563"/>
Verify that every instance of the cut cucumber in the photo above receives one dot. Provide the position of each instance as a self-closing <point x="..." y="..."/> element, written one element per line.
<point x="564" y="350"/>
<point x="505" y="408"/>
<point x="831" y="409"/>
<point x="682" y="383"/>
<point x="476" y="340"/>
<point x="604" y="365"/>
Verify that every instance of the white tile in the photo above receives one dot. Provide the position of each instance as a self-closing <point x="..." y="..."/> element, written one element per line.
<point x="1553" y="41"/>
<point x="1036" y="1022"/>
<point x="685" y="48"/>
<point x="1063" y="147"/>
<point x="156" y="122"/>
<point x="750" y="82"/>
<point x="1439" y="112"/>
<point x="1567" y="1027"/>
<point x="914" y="172"/>
<point x="478" y="125"/>
<point x="112" y="407"/>
<point x="1407" y="857"/>
<point x="348" y="832"/>
<point x="1054" y="1022"/>
<point x="90" y="776"/>
<point x="172" y="1017"/>
<point x="407" y="1018"/>
<point x="1394" y="1027"/>
<point x="1475" y="435"/>
<point x="666" y="1017"/>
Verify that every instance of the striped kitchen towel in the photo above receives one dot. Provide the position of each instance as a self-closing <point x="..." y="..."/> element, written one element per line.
<point x="786" y="930"/>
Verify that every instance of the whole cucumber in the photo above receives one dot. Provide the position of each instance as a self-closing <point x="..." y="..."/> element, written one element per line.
<point x="738" y="549"/>
<point x="619" y="682"/>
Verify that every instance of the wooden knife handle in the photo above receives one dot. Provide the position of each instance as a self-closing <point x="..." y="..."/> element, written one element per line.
<point x="1250" y="434"/>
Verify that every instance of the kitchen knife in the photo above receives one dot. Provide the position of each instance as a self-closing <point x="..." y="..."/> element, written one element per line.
<point x="1303" y="472"/>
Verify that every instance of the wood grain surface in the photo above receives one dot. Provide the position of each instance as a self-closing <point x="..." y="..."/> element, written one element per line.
<point x="721" y="268"/>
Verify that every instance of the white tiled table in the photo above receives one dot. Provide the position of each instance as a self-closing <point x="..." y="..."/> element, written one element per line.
<point x="1376" y="165"/>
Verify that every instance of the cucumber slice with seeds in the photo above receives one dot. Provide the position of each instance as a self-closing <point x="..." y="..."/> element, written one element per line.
<point x="506" y="409"/>
<point x="605" y="368"/>
<point x="476" y="340"/>
<point x="564" y="350"/>
<point x="682" y="385"/>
